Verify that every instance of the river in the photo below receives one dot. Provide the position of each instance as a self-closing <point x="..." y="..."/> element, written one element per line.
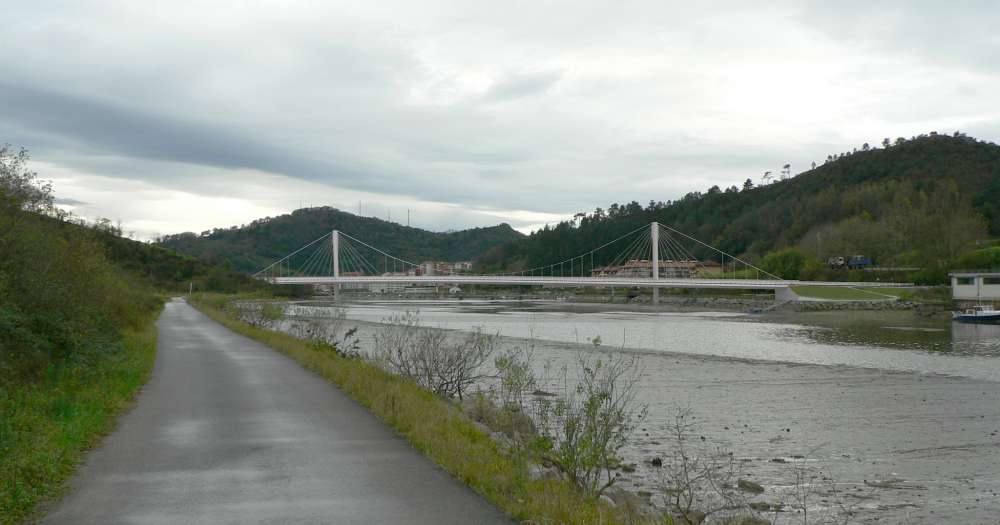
<point x="854" y="398"/>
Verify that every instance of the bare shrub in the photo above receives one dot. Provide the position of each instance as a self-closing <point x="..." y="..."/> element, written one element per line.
<point x="447" y="366"/>
<point x="815" y="498"/>
<point x="257" y="313"/>
<point x="588" y="427"/>
<point x="699" y="486"/>
<point x="330" y="333"/>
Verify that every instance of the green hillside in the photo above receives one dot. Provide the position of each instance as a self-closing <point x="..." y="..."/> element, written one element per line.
<point x="250" y="247"/>
<point x="165" y="269"/>
<point x="919" y="202"/>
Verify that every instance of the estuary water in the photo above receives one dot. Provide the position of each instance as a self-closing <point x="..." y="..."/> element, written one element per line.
<point x="895" y="417"/>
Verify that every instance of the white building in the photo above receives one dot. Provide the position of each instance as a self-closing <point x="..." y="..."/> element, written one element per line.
<point x="975" y="286"/>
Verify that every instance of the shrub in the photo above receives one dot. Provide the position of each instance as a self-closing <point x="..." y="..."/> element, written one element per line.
<point x="983" y="259"/>
<point x="787" y="263"/>
<point x="587" y="428"/>
<point x="444" y="365"/>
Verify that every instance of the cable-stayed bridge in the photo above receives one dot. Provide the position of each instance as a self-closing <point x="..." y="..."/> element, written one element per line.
<point x="654" y="256"/>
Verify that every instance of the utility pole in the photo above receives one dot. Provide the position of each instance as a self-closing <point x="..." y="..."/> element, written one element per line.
<point x="407" y="217"/>
<point x="654" y="231"/>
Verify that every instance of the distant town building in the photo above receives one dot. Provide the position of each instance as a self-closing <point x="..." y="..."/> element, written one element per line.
<point x="668" y="269"/>
<point x="444" y="267"/>
<point x="975" y="286"/>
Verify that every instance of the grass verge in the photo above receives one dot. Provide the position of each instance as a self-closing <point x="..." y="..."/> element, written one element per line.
<point x="835" y="293"/>
<point x="47" y="426"/>
<point x="435" y="427"/>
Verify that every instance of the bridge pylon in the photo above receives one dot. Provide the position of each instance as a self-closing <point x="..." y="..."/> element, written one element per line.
<point x="335" y="258"/>
<point x="654" y="232"/>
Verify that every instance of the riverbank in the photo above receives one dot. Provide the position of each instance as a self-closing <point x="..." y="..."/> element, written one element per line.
<point x="436" y="428"/>
<point x="895" y="446"/>
<point x="929" y="302"/>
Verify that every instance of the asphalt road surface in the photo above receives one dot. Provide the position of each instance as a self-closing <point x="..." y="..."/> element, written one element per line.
<point x="230" y="431"/>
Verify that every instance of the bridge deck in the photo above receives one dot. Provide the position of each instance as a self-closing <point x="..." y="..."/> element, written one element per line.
<point x="744" y="284"/>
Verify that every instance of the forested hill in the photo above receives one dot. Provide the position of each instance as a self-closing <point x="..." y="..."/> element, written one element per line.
<point x="251" y="247"/>
<point x="910" y="202"/>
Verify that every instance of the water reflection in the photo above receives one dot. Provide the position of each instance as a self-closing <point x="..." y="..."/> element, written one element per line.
<point x="897" y="330"/>
<point x="977" y="339"/>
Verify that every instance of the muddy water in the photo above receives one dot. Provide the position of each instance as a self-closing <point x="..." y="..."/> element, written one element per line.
<point x="852" y="398"/>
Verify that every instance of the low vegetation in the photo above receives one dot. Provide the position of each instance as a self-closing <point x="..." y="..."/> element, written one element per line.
<point x="76" y="340"/>
<point x="46" y="424"/>
<point x="849" y="294"/>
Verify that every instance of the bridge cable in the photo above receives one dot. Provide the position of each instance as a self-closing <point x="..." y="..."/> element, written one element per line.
<point x="293" y="253"/>
<point x="719" y="251"/>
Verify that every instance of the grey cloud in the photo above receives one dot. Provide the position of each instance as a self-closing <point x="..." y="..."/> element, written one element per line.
<point x="522" y="85"/>
<point x="69" y="201"/>
<point x="112" y="128"/>
<point x="537" y="108"/>
<point x="948" y="33"/>
<point x="104" y="127"/>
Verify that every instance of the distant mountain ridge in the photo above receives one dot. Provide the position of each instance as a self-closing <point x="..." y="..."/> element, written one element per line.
<point x="250" y="247"/>
<point x="912" y="202"/>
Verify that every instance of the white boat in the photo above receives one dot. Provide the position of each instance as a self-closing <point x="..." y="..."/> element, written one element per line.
<point x="977" y="314"/>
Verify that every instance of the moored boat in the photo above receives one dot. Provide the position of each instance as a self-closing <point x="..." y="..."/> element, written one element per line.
<point x="977" y="314"/>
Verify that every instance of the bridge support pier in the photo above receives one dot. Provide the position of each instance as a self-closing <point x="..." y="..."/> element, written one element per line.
<point x="785" y="293"/>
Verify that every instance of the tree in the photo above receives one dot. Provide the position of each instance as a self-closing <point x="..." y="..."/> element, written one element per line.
<point x="988" y="201"/>
<point x="747" y="184"/>
<point x="886" y="143"/>
<point x="787" y="263"/>
<point x="20" y="188"/>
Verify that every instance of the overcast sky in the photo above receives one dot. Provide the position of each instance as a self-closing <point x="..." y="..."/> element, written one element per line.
<point x="188" y="116"/>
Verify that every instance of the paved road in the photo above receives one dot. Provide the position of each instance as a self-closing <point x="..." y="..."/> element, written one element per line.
<point x="229" y="431"/>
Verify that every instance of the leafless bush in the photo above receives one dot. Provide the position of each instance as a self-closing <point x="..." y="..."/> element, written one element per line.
<point x="447" y="366"/>
<point x="815" y="498"/>
<point x="256" y="313"/>
<point x="588" y="427"/>
<point x="331" y="333"/>
<point x="698" y="486"/>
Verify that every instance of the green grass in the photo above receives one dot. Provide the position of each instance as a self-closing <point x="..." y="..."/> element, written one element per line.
<point x="436" y="428"/>
<point x="46" y="426"/>
<point x="837" y="293"/>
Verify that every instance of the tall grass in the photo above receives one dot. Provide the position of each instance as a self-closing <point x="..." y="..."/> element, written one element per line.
<point x="47" y="424"/>
<point x="436" y="428"/>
